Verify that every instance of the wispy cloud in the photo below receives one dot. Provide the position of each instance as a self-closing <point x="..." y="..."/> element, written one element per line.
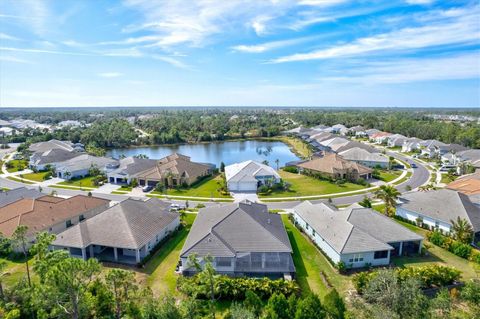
<point x="4" y="36"/>
<point x="460" y="27"/>
<point x="7" y="58"/>
<point x="172" y="61"/>
<point x="419" y="1"/>
<point x="268" y="46"/>
<point x="110" y="74"/>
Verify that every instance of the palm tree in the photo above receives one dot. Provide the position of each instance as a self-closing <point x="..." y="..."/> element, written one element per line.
<point x="462" y="230"/>
<point x="19" y="238"/>
<point x="389" y="195"/>
<point x="3" y="274"/>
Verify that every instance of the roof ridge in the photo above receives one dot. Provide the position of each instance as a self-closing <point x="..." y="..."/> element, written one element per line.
<point x="346" y="239"/>
<point x="124" y="218"/>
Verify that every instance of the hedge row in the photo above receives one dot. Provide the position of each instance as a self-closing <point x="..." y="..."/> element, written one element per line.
<point x="454" y="246"/>
<point x="229" y="288"/>
<point x="429" y="276"/>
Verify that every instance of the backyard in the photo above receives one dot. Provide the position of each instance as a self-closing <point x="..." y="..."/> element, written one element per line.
<point x="80" y="182"/>
<point x="207" y="187"/>
<point x="302" y="185"/>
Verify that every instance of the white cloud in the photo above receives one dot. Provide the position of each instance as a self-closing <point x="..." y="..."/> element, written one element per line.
<point x="460" y="27"/>
<point x="268" y="46"/>
<point x="110" y="74"/>
<point x="421" y="2"/>
<point x="172" y="61"/>
<point x="7" y="58"/>
<point x="4" y="36"/>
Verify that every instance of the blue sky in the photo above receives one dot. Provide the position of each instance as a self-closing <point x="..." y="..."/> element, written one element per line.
<point x="252" y="53"/>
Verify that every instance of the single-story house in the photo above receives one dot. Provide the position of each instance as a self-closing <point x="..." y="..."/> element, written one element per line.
<point x="363" y="157"/>
<point x="330" y="144"/>
<point x="336" y="167"/>
<point x="13" y="195"/>
<point x="411" y="144"/>
<point x="79" y="166"/>
<point x="6" y="131"/>
<point x="243" y="239"/>
<point x="4" y="123"/>
<point x="380" y="137"/>
<point x="430" y="147"/>
<point x="126" y="232"/>
<point x="356" y="236"/>
<point x="174" y="170"/>
<point x="340" y="147"/>
<point x="357" y="130"/>
<point x="50" y="145"/>
<point x="125" y="170"/>
<point x="467" y="184"/>
<point x="249" y="175"/>
<point x="438" y="208"/>
<point x="339" y="129"/>
<point x="372" y="131"/>
<point x="396" y="140"/>
<point x="471" y="156"/>
<point x="52" y="157"/>
<point x="48" y="213"/>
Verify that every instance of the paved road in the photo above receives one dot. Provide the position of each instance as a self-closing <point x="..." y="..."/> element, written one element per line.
<point x="420" y="176"/>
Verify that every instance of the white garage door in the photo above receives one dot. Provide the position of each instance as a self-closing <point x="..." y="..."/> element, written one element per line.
<point x="242" y="186"/>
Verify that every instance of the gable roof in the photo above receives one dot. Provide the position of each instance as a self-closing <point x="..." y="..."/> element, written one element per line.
<point x="352" y="230"/>
<point x="131" y="224"/>
<point x="49" y="145"/>
<point x="468" y="184"/>
<point x="353" y="144"/>
<point x="334" y="163"/>
<point x="177" y="164"/>
<point x="54" y="155"/>
<point x="16" y="194"/>
<point x="246" y="171"/>
<point x="443" y="205"/>
<point x="84" y="161"/>
<point x="226" y="230"/>
<point x="132" y="165"/>
<point x="472" y="156"/>
<point x="360" y="154"/>
<point x="40" y="213"/>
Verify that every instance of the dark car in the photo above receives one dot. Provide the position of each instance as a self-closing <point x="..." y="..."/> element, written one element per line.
<point x="147" y="188"/>
<point x="413" y="165"/>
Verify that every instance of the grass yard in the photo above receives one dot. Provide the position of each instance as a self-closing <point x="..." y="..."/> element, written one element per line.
<point x="16" y="270"/>
<point x="161" y="268"/>
<point x="309" y="261"/>
<point x="38" y="177"/>
<point x="298" y="146"/>
<point x="80" y="182"/>
<point x="388" y="176"/>
<point x="18" y="179"/>
<point x="207" y="187"/>
<point x="446" y="179"/>
<point x="17" y="165"/>
<point x="302" y="185"/>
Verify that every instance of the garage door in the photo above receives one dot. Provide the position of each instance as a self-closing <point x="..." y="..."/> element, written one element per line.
<point x="247" y="186"/>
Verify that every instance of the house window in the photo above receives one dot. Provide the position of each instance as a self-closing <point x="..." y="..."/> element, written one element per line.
<point x="223" y="262"/>
<point x="156" y="237"/>
<point x="306" y="227"/>
<point x="81" y="218"/>
<point x="68" y="223"/>
<point x="381" y="254"/>
<point x="313" y="232"/>
<point x="356" y="258"/>
<point x="437" y="224"/>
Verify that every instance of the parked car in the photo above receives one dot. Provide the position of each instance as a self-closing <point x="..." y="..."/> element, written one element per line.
<point x="147" y="188"/>
<point x="177" y="207"/>
<point x="446" y="168"/>
<point x="413" y="165"/>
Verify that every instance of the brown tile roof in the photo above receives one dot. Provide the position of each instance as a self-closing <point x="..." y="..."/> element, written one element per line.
<point x="41" y="213"/>
<point x="177" y="164"/>
<point x="469" y="185"/>
<point x="334" y="163"/>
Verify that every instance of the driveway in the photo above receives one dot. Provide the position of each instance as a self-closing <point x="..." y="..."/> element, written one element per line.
<point x="251" y="196"/>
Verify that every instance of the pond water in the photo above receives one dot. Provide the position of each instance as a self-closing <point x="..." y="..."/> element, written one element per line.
<point x="229" y="152"/>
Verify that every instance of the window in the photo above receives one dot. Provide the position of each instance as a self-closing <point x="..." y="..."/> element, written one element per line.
<point x="381" y="254"/>
<point x="437" y="224"/>
<point x="81" y="217"/>
<point x="306" y="227"/>
<point x="356" y="258"/>
<point x="223" y="262"/>
<point x="68" y="223"/>
<point x="313" y="233"/>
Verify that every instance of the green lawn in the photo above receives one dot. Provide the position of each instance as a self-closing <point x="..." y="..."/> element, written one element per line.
<point x="18" y="165"/>
<point x="16" y="269"/>
<point x="161" y="268"/>
<point x="38" y="177"/>
<point x="309" y="261"/>
<point x="298" y="146"/>
<point x="388" y="176"/>
<point x="80" y="182"/>
<point x="302" y="185"/>
<point x="18" y="179"/>
<point x="207" y="187"/>
<point x="447" y="179"/>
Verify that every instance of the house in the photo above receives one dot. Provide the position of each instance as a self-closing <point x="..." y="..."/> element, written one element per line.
<point x="79" y="166"/>
<point x="396" y="140"/>
<point x="358" y="131"/>
<point x="126" y="232"/>
<point x="468" y="184"/>
<point x="52" y="157"/>
<point x="50" y="145"/>
<point x="48" y="213"/>
<point x="356" y="236"/>
<point x="243" y="239"/>
<point x="317" y="138"/>
<point x="438" y="208"/>
<point x="126" y="169"/>
<point x="13" y="195"/>
<point x="380" y="137"/>
<point x="6" y="131"/>
<point x="328" y="145"/>
<point x="340" y="147"/>
<point x="249" y="175"/>
<point x="471" y="156"/>
<point x="339" y="129"/>
<point x="430" y="147"/>
<point x="411" y="145"/>
<point x="336" y="167"/>
<point x="174" y="170"/>
<point x="372" y="131"/>
<point x="365" y="158"/>
<point x="4" y="123"/>
<point x="450" y="148"/>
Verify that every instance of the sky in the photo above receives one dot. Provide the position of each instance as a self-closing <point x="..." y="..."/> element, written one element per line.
<point x="406" y="53"/>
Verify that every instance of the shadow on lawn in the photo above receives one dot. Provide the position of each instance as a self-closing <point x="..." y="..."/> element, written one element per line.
<point x="301" y="271"/>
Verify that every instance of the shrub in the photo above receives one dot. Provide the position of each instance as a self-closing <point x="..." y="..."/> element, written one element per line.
<point x="475" y="256"/>
<point x="291" y="169"/>
<point x="436" y="238"/>
<point x="263" y="189"/>
<point x="461" y="249"/>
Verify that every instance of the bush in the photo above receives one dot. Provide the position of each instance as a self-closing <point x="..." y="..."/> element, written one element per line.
<point x="291" y="169"/>
<point x="263" y="189"/>
<point x="458" y="248"/>
<point x="461" y="249"/>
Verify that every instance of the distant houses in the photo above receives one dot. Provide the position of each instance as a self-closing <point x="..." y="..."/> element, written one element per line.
<point x="243" y="239"/>
<point x="126" y="232"/>
<point x="436" y="209"/>
<point x="249" y="175"/>
<point x="363" y="157"/>
<point x="357" y="236"/>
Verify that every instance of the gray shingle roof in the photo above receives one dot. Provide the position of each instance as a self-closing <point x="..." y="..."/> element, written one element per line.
<point x="224" y="231"/>
<point x="443" y="205"/>
<point x="16" y="194"/>
<point x="133" y="165"/>
<point x="246" y="171"/>
<point x="129" y="224"/>
<point x="360" y="154"/>
<point x="49" y="145"/>
<point x="353" y="230"/>
<point x="84" y="161"/>
<point x="55" y="155"/>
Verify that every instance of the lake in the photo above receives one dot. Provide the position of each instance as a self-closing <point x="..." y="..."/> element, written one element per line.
<point x="229" y="152"/>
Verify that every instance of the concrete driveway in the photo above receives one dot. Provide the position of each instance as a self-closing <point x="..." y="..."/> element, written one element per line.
<point x="251" y="196"/>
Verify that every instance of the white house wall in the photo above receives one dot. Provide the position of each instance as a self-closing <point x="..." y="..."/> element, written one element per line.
<point x="431" y="222"/>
